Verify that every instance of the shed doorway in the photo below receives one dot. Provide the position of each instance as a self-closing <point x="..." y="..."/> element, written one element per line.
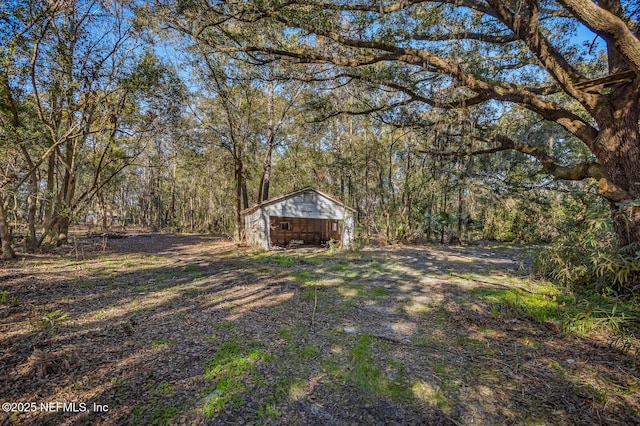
<point x="285" y="230"/>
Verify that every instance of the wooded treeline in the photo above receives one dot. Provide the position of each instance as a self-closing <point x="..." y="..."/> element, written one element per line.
<point x="441" y="121"/>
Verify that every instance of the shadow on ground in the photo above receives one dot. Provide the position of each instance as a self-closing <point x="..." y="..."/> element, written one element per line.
<point x="184" y="329"/>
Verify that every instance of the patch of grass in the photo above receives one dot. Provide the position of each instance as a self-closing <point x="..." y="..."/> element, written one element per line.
<point x="103" y="313"/>
<point x="449" y="379"/>
<point x="278" y="259"/>
<point x="224" y="325"/>
<point x="308" y="295"/>
<point x="163" y="389"/>
<point x="162" y="343"/>
<point x="533" y="343"/>
<point x="350" y="291"/>
<point x="441" y="314"/>
<point x="558" y="369"/>
<point x="269" y="411"/>
<point x="130" y="263"/>
<point x="600" y="394"/>
<point x="193" y="270"/>
<point x="578" y="315"/>
<point x="368" y="376"/>
<point x="308" y="352"/>
<point x="587" y="315"/>
<point x="297" y="390"/>
<point x="543" y="305"/>
<point x="338" y="267"/>
<point x="280" y="391"/>
<point x="285" y="333"/>
<point x="120" y="388"/>
<point x="432" y="394"/>
<point x="229" y="367"/>
<point x="8" y="298"/>
<point x="52" y="321"/>
<point x="165" y="415"/>
<point x="378" y="291"/>
<point x="303" y="277"/>
<point x="160" y="282"/>
<point x="376" y="267"/>
<point x="85" y="283"/>
<point x="315" y="260"/>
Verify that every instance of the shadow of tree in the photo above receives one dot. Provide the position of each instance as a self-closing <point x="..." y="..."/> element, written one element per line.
<point x="396" y="336"/>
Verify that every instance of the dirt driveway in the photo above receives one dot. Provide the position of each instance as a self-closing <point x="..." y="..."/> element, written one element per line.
<point x="185" y="329"/>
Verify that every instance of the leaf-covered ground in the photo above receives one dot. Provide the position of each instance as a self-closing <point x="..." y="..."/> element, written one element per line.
<point x="175" y="329"/>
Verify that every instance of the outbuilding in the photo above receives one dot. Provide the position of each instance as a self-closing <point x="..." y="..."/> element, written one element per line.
<point x="307" y="216"/>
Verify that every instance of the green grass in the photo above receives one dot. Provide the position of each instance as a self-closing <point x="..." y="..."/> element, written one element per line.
<point x="7" y="298"/>
<point x="338" y="267"/>
<point x="371" y="378"/>
<point x="544" y="304"/>
<point x="376" y="267"/>
<point x="85" y="283"/>
<point x="165" y="415"/>
<point x="308" y="352"/>
<point x="285" y="333"/>
<point x="52" y="321"/>
<point x="224" y="325"/>
<point x="229" y="368"/>
<point x="578" y="314"/>
<point x="278" y="259"/>
<point x="281" y="390"/>
<point x="432" y="394"/>
<point x="162" y="343"/>
<point x="304" y="277"/>
<point x="378" y="291"/>
<point x="163" y="389"/>
<point x="315" y="260"/>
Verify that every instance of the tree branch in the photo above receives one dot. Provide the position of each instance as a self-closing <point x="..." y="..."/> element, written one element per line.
<point x="550" y="166"/>
<point x="608" y="26"/>
<point x="468" y="35"/>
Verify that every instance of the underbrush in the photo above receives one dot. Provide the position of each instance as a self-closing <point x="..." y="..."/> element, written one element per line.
<point x="586" y="258"/>
<point x="578" y="313"/>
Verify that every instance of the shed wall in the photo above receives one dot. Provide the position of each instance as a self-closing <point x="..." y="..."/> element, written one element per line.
<point x="310" y="205"/>
<point x="256" y="229"/>
<point x="297" y="206"/>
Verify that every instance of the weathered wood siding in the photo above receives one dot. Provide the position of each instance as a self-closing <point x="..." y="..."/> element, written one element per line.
<point x="256" y="229"/>
<point x="311" y="216"/>
<point x="307" y="204"/>
<point x="311" y="231"/>
<point x="348" y="230"/>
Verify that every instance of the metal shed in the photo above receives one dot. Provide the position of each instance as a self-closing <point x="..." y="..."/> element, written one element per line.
<point x="307" y="216"/>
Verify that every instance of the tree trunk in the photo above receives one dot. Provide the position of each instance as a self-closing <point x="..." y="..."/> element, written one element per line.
<point x="49" y="202"/>
<point x="238" y="175"/>
<point x="460" y="211"/>
<point x="174" y="220"/>
<point x="619" y="154"/>
<point x="103" y="211"/>
<point x="32" y="208"/>
<point x="32" y="200"/>
<point x="626" y="221"/>
<point x="5" y="237"/>
<point x="265" y="180"/>
<point x="68" y="192"/>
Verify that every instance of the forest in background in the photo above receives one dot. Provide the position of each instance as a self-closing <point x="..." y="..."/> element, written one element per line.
<point x="177" y="116"/>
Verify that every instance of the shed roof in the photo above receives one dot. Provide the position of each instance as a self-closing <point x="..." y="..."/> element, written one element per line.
<point x="293" y="194"/>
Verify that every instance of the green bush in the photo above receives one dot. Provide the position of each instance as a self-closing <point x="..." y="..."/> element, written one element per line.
<point x="587" y="257"/>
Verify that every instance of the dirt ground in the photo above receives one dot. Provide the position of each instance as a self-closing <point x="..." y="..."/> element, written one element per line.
<point x="186" y="329"/>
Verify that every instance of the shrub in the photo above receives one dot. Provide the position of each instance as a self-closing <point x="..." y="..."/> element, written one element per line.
<point x="587" y="257"/>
